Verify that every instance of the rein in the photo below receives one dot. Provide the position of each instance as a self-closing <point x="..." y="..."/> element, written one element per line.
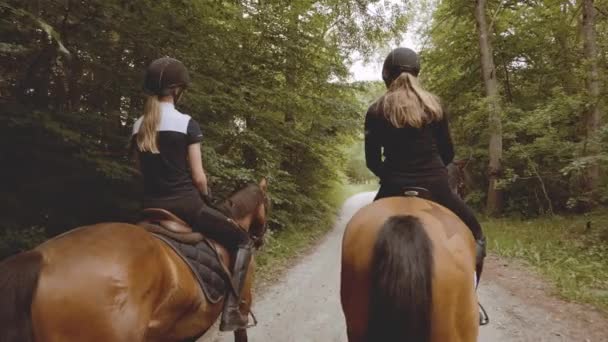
<point x="254" y="237"/>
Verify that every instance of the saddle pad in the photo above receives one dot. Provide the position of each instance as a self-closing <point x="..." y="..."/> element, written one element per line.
<point x="205" y="264"/>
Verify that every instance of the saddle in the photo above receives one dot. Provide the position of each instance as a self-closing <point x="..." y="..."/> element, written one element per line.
<point x="163" y="222"/>
<point x="205" y="257"/>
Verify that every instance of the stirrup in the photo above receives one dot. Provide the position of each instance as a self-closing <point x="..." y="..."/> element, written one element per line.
<point x="250" y="325"/>
<point x="255" y="320"/>
<point x="231" y="326"/>
<point x="484" y="319"/>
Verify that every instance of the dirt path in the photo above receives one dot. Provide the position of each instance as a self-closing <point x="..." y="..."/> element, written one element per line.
<point x="305" y="306"/>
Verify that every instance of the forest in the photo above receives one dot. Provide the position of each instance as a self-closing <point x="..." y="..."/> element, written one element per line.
<point x="537" y="132"/>
<point x="270" y="90"/>
<point x="523" y="82"/>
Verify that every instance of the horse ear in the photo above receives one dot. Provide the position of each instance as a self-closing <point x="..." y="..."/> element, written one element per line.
<point x="264" y="184"/>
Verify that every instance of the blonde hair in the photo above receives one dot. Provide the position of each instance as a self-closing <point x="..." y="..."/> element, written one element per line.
<point x="146" y="136"/>
<point x="406" y="103"/>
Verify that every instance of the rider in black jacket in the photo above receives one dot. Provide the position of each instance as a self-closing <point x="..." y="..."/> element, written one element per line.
<point x="409" y="127"/>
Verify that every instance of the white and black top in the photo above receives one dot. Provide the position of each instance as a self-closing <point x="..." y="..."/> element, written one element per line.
<point x="166" y="174"/>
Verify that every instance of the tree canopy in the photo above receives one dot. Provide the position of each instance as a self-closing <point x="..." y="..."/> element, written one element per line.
<point x="542" y="72"/>
<point x="269" y="90"/>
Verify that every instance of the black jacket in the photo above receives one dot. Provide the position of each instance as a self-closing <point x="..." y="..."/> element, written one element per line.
<point x="409" y="153"/>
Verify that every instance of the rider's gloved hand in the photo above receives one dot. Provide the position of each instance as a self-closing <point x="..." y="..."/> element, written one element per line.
<point x="207" y="198"/>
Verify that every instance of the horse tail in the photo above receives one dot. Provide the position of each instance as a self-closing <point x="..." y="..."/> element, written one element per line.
<point x="18" y="282"/>
<point x="401" y="276"/>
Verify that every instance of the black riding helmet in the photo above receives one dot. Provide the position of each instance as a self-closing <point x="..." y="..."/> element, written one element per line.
<point x="398" y="61"/>
<point x="165" y="74"/>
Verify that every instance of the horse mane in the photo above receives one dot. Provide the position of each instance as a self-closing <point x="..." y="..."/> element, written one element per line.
<point x="242" y="202"/>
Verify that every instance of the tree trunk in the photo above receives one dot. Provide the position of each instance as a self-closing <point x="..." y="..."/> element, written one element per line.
<point x="507" y="82"/>
<point x="593" y="92"/>
<point x="291" y="66"/>
<point x="494" y="202"/>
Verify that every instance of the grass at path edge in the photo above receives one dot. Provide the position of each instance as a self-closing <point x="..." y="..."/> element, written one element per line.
<point x="567" y="251"/>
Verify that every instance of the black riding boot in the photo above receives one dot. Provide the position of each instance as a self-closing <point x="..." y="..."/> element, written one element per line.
<point x="232" y="319"/>
<point x="480" y="252"/>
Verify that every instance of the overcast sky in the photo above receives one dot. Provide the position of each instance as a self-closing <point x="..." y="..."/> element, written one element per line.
<point x="372" y="71"/>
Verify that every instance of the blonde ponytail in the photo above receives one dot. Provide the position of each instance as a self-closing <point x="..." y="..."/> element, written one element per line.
<point x="406" y="103"/>
<point x="146" y="136"/>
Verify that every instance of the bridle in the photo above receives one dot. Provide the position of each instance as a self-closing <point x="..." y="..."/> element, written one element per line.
<point x="258" y="239"/>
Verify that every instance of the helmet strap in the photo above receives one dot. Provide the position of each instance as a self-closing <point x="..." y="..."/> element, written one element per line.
<point x="177" y="94"/>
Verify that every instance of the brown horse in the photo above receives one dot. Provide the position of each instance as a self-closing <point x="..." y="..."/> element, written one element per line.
<point x="408" y="274"/>
<point x="116" y="282"/>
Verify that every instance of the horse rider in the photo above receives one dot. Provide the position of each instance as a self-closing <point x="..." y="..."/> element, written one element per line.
<point x="167" y="149"/>
<point x="409" y="127"/>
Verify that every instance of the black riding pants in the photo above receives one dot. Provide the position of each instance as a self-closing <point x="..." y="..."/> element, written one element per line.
<point x="441" y="193"/>
<point x="204" y="219"/>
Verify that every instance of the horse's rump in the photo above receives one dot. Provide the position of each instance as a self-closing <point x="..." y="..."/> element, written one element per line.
<point x="407" y="265"/>
<point x="105" y="282"/>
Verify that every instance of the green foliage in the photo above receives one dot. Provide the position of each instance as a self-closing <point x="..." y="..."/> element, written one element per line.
<point x="14" y="240"/>
<point x="541" y="73"/>
<point x="269" y="90"/>
<point x="571" y="251"/>
<point x="356" y="168"/>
